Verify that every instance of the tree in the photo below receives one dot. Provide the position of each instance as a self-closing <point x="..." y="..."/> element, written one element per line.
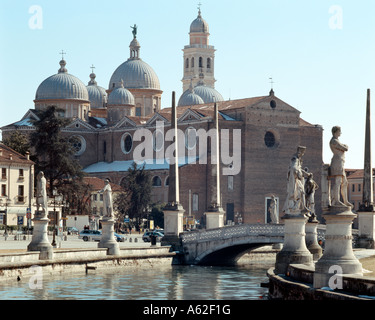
<point x="18" y="142"/>
<point x="53" y="152"/>
<point x="137" y="192"/>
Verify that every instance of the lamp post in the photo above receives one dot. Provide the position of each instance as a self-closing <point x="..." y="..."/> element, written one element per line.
<point x="57" y="199"/>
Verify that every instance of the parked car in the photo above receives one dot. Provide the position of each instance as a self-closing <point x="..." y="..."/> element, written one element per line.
<point x="72" y="230"/>
<point x="147" y="236"/>
<point x="120" y="237"/>
<point x="87" y="235"/>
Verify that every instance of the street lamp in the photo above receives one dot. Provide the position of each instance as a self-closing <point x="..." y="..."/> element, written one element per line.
<point x="57" y="199"/>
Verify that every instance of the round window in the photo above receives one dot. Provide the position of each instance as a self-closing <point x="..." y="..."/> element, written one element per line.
<point x="269" y="139"/>
<point x="273" y="104"/>
<point x="78" y="144"/>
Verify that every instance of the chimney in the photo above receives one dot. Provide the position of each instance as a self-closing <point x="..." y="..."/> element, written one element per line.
<point x="10" y="156"/>
<point x="1" y="152"/>
<point x="27" y="155"/>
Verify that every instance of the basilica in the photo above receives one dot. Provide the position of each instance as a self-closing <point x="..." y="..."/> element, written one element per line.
<point x="262" y="132"/>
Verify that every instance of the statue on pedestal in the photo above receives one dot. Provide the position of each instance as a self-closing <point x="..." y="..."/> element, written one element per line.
<point x="107" y="199"/>
<point x="41" y="197"/>
<point x="337" y="170"/>
<point x="310" y="187"/>
<point x="295" y="203"/>
<point x="273" y="210"/>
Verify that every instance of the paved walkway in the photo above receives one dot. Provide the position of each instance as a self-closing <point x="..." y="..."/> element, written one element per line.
<point x="72" y="242"/>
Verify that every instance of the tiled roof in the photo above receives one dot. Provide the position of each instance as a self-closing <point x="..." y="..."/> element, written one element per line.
<point x="98" y="184"/>
<point x="8" y="155"/>
<point x="356" y="173"/>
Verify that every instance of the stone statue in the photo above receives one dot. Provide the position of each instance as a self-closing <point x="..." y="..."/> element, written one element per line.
<point x="134" y="30"/>
<point x="295" y="203"/>
<point x="310" y="187"/>
<point x="41" y="196"/>
<point x="107" y="199"/>
<point x="273" y="210"/>
<point x="337" y="170"/>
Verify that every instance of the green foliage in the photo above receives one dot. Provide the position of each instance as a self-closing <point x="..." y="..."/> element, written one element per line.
<point x="54" y="152"/>
<point x="137" y="192"/>
<point x="18" y="142"/>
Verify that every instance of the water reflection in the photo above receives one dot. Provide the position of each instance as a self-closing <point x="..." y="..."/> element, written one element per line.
<point x="155" y="283"/>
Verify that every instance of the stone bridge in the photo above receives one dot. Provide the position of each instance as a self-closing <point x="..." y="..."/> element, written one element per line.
<point x="224" y="246"/>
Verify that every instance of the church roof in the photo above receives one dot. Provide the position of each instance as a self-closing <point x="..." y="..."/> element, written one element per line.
<point x="123" y="166"/>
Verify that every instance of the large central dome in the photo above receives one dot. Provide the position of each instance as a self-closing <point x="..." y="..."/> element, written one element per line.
<point x="135" y="73"/>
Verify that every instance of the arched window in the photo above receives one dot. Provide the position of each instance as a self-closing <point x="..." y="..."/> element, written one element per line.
<point x="187" y="63"/>
<point x="208" y="63"/>
<point x="200" y="62"/>
<point x="192" y="62"/>
<point x="158" y="140"/>
<point x="126" y="143"/>
<point x="156" y="181"/>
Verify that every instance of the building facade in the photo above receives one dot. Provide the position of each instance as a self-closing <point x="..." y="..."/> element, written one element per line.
<point x="258" y="135"/>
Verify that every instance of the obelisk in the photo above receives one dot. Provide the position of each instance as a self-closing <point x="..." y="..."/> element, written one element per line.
<point x="215" y="212"/>
<point x="366" y="213"/>
<point x="173" y="211"/>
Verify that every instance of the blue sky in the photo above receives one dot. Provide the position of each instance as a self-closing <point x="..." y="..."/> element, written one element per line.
<point x="319" y="53"/>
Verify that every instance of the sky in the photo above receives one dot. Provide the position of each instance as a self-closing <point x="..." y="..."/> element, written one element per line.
<point x="320" y="54"/>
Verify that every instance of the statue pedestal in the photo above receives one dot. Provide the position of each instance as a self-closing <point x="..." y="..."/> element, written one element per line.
<point x="312" y="239"/>
<point x="108" y="238"/>
<point x="338" y="251"/>
<point x="294" y="249"/>
<point x="39" y="240"/>
<point x="173" y="225"/>
<point x="366" y="228"/>
<point x="215" y="218"/>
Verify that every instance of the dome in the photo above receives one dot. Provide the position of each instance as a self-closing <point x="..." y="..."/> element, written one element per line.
<point x="199" y="25"/>
<point x="62" y="86"/>
<point x="121" y="96"/>
<point x="189" y="98"/>
<point x="135" y="73"/>
<point x="208" y="94"/>
<point x="97" y="94"/>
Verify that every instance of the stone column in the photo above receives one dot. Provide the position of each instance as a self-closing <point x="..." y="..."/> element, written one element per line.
<point x="294" y="248"/>
<point x="107" y="239"/>
<point x="39" y="240"/>
<point x="215" y="212"/>
<point x="173" y="211"/>
<point x="312" y="239"/>
<point x="338" y="249"/>
<point x="366" y="212"/>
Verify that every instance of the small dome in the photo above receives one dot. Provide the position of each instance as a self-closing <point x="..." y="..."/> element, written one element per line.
<point x="199" y="25"/>
<point x="97" y="94"/>
<point x="121" y="96"/>
<point x="208" y="94"/>
<point x="62" y="86"/>
<point x="189" y="98"/>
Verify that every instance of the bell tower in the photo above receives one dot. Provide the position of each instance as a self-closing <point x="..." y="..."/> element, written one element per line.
<point x="199" y="56"/>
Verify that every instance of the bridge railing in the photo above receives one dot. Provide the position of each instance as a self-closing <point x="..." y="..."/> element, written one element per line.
<point x="267" y="230"/>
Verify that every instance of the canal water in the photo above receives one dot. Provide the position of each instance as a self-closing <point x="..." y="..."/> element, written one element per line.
<point x="148" y="283"/>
